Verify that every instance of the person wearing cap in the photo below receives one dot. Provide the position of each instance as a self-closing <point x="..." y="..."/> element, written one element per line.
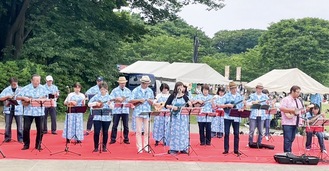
<point x="311" y="116"/>
<point x="73" y="127"/>
<point x="217" y="124"/>
<point x="160" y="124"/>
<point x="32" y="91"/>
<point x="121" y="95"/>
<point x="90" y="93"/>
<point x="53" y="93"/>
<point x="257" y="116"/>
<point x="142" y="97"/>
<point x="232" y="100"/>
<point x="290" y="106"/>
<point x="11" y="110"/>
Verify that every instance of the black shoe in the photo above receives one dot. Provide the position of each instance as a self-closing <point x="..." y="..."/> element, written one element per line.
<point x="104" y="150"/>
<point x="112" y="142"/>
<point x="208" y="143"/>
<point x="202" y="143"/>
<point x="184" y="152"/>
<point x="220" y="135"/>
<point x="172" y="152"/>
<point x="39" y="148"/>
<point x="126" y="142"/>
<point x="156" y="143"/>
<point x="54" y="133"/>
<point x="67" y="140"/>
<point x="7" y="140"/>
<point x="225" y="152"/>
<point x="78" y="141"/>
<point x="25" y="148"/>
<point x="237" y="153"/>
<point x="95" y="150"/>
<point x="142" y="133"/>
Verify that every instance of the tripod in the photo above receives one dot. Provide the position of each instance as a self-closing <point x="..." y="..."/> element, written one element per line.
<point x="71" y="111"/>
<point x="150" y="149"/>
<point x="2" y="154"/>
<point x="163" y="138"/>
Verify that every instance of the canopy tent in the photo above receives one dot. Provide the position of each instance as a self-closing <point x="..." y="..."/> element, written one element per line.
<point x="281" y="80"/>
<point x="191" y="73"/>
<point x="146" y="67"/>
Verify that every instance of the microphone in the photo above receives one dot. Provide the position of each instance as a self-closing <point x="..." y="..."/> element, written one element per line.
<point x="179" y="90"/>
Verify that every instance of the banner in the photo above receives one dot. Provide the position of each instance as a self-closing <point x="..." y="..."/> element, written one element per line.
<point x="227" y="72"/>
<point x="238" y="73"/>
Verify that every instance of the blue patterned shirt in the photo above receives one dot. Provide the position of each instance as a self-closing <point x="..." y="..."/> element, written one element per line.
<point x="118" y="92"/>
<point x="316" y="99"/>
<point x="256" y="112"/>
<point x="9" y="92"/>
<point x="137" y="93"/>
<point x="207" y="108"/>
<point x="229" y="99"/>
<point x="51" y="90"/>
<point x="104" y="99"/>
<point x="93" y="90"/>
<point x="162" y="98"/>
<point x="34" y="93"/>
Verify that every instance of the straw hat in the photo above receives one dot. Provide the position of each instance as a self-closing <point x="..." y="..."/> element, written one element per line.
<point x="122" y="80"/>
<point x="232" y="85"/>
<point x="145" y="79"/>
<point x="259" y="85"/>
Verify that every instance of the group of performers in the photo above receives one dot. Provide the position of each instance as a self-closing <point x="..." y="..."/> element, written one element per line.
<point x="171" y="124"/>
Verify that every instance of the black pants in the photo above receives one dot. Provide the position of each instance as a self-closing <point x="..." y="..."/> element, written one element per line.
<point x="205" y="126"/>
<point x="90" y="121"/>
<point x="52" y="112"/>
<point x="27" y="127"/>
<point x="236" y="126"/>
<point x="98" y="125"/>
<point x="116" y="119"/>
<point x="19" y="124"/>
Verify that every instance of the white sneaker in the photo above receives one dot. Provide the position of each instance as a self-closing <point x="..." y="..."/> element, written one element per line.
<point x="140" y="151"/>
<point x="308" y="149"/>
<point x="324" y="151"/>
<point x="266" y="137"/>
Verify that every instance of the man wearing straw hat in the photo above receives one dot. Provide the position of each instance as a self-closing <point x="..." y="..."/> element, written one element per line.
<point x="122" y="95"/>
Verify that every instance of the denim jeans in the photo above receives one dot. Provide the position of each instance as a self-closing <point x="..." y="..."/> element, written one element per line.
<point x="253" y="123"/>
<point x="236" y="126"/>
<point x="320" y="136"/>
<point x="267" y="127"/>
<point x="52" y="112"/>
<point x="289" y="133"/>
<point x="19" y="125"/>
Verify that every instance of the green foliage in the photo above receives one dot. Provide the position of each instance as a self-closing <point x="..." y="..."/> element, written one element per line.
<point x="237" y="41"/>
<point x="302" y="43"/>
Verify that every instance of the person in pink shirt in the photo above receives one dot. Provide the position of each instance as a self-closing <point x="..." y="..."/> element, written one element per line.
<point x="290" y="107"/>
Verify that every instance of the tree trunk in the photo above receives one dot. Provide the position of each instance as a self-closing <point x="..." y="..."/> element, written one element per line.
<point x="15" y="34"/>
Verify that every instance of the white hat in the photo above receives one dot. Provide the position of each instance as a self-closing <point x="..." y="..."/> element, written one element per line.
<point x="145" y="79"/>
<point x="49" y="78"/>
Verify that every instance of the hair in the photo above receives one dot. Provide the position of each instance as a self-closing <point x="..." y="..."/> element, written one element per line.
<point x="316" y="106"/>
<point x="13" y="79"/>
<point x="205" y="87"/>
<point x="222" y="89"/>
<point x="164" y="86"/>
<point x="265" y="91"/>
<point x="35" y="75"/>
<point x="294" y="88"/>
<point x="175" y="89"/>
<point x="77" y="84"/>
<point x="104" y="85"/>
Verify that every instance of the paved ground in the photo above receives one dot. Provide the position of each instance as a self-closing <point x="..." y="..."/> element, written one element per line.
<point x="83" y="165"/>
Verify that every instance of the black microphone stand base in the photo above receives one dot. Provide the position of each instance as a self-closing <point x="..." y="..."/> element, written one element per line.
<point x="2" y="154"/>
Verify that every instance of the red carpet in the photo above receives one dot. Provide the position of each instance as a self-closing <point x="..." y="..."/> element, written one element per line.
<point x="213" y="153"/>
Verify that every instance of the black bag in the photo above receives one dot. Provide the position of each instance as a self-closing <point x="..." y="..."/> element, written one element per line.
<point x="289" y="158"/>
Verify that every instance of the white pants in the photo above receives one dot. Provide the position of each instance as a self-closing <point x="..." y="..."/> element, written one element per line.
<point x="142" y="122"/>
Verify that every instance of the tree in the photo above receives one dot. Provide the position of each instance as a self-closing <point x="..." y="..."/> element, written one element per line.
<point x="301" y="43"/>
<point x="237" y="41"/>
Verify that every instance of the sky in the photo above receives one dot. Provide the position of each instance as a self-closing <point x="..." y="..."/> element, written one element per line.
<point x="257" y="14"/>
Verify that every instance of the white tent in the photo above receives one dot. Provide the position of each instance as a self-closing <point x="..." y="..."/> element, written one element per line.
<point x="145" y="67"/>
<point x="281" y="80"/>
<point x="191" y="73"/>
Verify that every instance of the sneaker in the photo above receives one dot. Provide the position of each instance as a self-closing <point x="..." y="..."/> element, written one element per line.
<point x="267" y="139"/>
<point x="54" y="133"/>
<point x="112" y="142"/>
<point x="307" y="149"/>
<point x="324" y="151"/>
<point x="95" y="150"/>
<point x="7" y="140"/>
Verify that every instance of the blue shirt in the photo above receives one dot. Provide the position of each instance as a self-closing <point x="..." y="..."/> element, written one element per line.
<point x="104" y="99"/>
<point x="118" y="92"/>
<point x="34" y="93"/>
<point x="9" y="92"/>
<point x="137" y="93"/>
<point x="51" y="90"/>
<point x="256" y="112"/>
<point x="93" y="90"/>
<point x="207" y="108"/>
<point x="316" y="99"/>
<point x="229" y="99"/>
